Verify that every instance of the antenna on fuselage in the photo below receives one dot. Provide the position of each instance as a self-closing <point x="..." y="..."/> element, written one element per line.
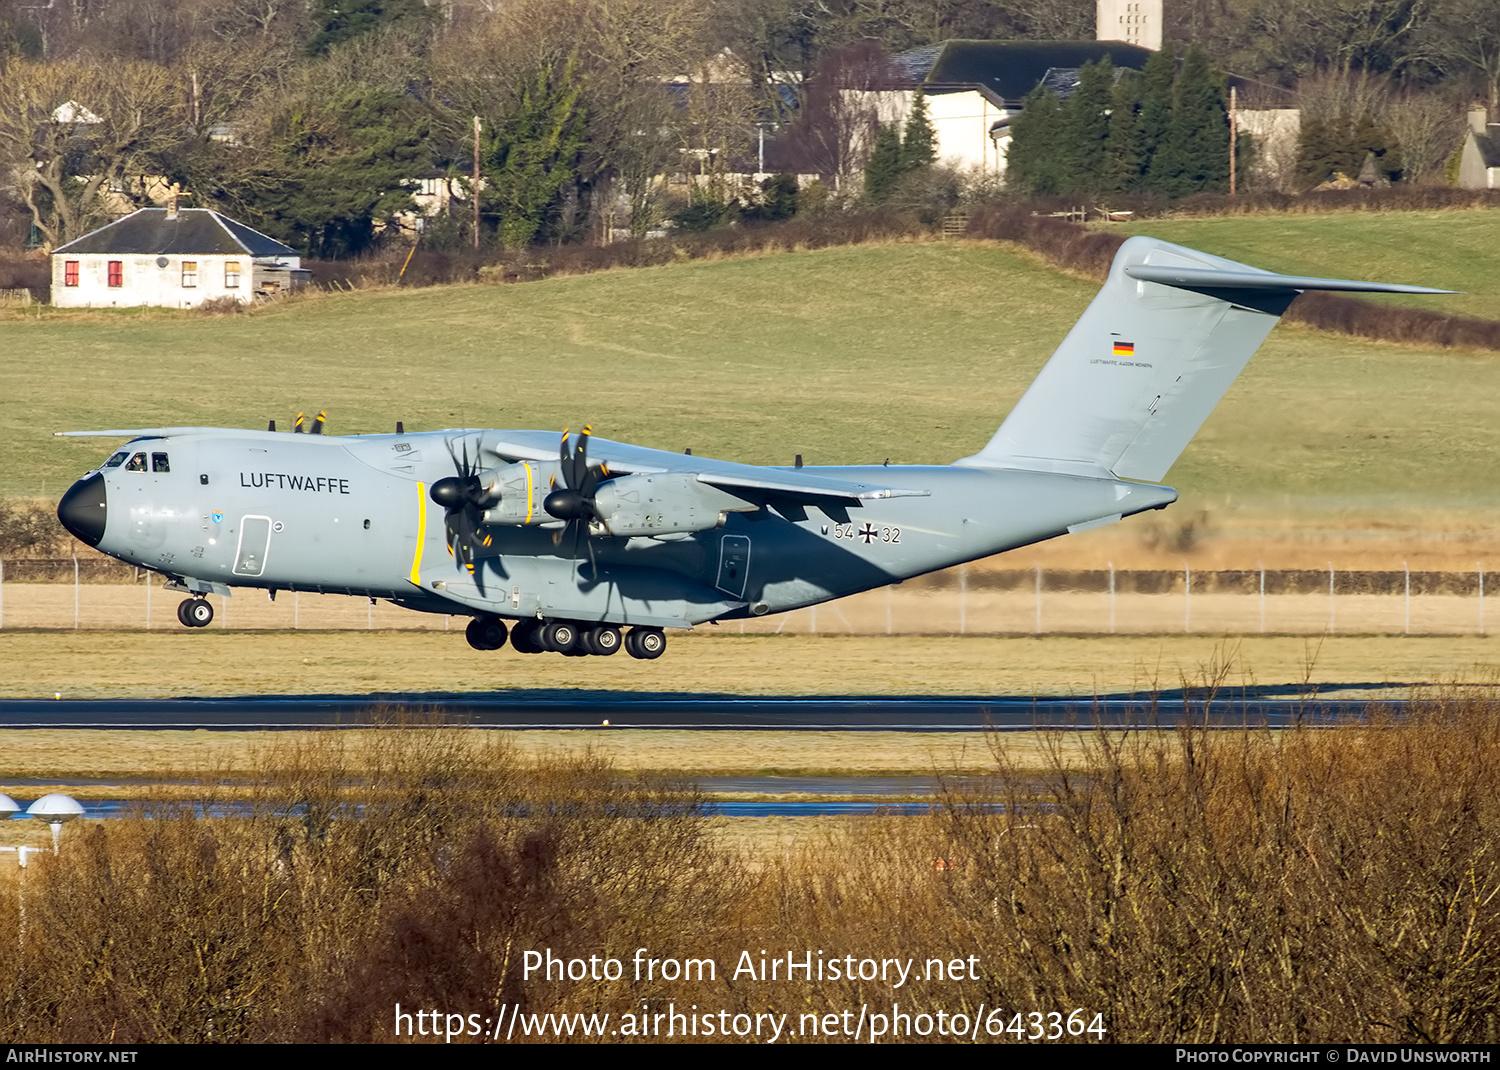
<point x="319" y="423"/>
<point x="297" y="428"/>
<point x="400" y="428"/>
<point x="270" y="425"/>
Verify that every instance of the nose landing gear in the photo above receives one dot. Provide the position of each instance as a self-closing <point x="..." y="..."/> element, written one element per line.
<point x="195" y="612"/>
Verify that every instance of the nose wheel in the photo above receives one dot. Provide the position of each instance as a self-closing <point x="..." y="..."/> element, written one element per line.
<point x="195" y="612"/>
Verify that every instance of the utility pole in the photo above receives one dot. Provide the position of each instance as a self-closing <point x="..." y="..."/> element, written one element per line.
<point x="1232" y="137"/>
<point x="474" y="185"/>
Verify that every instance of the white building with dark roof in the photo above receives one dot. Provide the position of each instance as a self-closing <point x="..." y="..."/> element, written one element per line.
<point x="172" y="258"/>
<point x="1479" y="166"/>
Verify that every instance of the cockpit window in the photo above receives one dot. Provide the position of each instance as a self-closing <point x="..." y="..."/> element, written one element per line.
<point x="117" y="460"/>
<point x="137" y="463"/>
<point x="159" y="463"/>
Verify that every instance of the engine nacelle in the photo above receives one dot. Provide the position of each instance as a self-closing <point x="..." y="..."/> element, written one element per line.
<point x="664" y="503"/>
<point x="523" y="487"/>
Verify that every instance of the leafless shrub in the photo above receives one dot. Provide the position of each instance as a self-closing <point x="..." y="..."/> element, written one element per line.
<point x="219" y="306"/>
<point x="29" y="528"/>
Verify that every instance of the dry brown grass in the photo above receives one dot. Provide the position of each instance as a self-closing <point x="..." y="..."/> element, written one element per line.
<point x="1309" y="886"/>
<point x="151" y="757"/>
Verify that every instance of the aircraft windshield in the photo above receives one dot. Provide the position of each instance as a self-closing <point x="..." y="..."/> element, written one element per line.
<point x="117" y="460"/>
<point x="137" y="463"/>
<point x="159" y="463"/>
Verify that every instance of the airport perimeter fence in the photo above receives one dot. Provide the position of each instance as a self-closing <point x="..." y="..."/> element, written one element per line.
<point x="81" y="593"/>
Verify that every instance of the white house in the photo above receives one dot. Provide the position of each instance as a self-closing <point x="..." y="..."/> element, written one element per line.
<point x="172" y="258"/>
<point x="1479" y="166"/>
<point x="974" y="89"/>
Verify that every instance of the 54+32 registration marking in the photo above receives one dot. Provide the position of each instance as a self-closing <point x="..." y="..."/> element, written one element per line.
<point x="867" y="534"/>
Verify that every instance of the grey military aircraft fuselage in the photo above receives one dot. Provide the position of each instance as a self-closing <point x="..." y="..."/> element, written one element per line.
<point x="217" y="509"/>
<point x="573" y="542"/>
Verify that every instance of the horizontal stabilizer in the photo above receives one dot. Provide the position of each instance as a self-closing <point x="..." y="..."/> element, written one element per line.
<point x="1201" y="279"/>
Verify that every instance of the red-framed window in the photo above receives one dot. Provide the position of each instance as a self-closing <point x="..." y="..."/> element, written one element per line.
<point x="117" y="273"/>
<point x="70" y="272"/>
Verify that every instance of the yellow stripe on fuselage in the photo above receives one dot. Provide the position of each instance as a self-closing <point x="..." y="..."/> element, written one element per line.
<point x="416" y="561"/>
<point x="528" y="492"/>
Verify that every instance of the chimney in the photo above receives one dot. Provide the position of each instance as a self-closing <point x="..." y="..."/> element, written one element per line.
<point x="1477" y="118"/>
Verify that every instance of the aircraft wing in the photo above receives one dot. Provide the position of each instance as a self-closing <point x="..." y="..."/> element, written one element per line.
<point x="745" y="480"/>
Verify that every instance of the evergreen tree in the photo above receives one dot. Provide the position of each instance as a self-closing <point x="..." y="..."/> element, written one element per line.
<point x="342" y="20"/>
<point x="1156" y="112"/>
<point x="1340" y="146"/>
<point x="1033" y="163"/>
<point x="883" y="170"/>
<point x="1085" y="129"/>
<point x="330" y="170"/>
<point x="1122" y="161"/>
<point x="533" y="155"/>
<point x="1197" y="156"/>
<point x="918" y="142"/>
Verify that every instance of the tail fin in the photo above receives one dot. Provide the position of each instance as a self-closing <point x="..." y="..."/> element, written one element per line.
<point x="1151" y="356"/>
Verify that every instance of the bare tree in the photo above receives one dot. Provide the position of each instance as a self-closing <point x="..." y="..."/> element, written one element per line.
<point x="1298" y="37"/>
<point x="68" y="130"/>
<point x="1427" y="126"/>
<point x="1464" y="36"/>
<point x="840" y="111"/>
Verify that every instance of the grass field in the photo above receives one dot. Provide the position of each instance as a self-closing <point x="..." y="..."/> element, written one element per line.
<point x="84" y="665"/>
<point x="1452" y="250"/>
<point x="910" y="351"/>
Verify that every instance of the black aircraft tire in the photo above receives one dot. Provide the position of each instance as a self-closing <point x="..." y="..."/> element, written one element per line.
<point x="648" y="644"/>
<point x="523" y="638"/>
<point x="559" y="636"/>
<point x="182" y="613"/>
<point x="604" y="640"/>
<point x="486" y="633"/>
<point x="199" y="613"/>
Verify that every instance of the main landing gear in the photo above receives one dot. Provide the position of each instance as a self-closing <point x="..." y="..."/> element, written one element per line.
<point x="569" y="638"/>
<point x="195" y="612"/>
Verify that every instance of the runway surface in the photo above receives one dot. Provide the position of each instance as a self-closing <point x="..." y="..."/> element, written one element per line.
<point x="612" y="710"/>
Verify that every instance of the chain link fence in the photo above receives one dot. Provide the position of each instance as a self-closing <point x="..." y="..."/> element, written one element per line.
<point x="82" y="593"/>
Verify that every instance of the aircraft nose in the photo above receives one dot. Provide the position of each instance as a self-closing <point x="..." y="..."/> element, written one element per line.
<point x="83" y="509"/>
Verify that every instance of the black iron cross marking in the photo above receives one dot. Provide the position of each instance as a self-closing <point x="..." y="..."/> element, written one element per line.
<point x="869" y="534"/>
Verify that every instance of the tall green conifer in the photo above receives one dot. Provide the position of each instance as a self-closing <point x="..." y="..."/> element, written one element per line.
<point x="883" y="170"/>
<point x="1156" y="112"/>
<point x="918" y="142"/>
<point x="1085" y="128"/>
<point x="1122" y="161"/>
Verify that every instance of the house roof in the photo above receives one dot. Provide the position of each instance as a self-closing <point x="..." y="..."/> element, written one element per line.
<point x="200" y="231"/>
<point x="1008" y="69"/>
<point x="1488" y="146"/>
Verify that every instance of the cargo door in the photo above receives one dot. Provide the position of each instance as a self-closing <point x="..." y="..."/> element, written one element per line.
<point x="255" y="539"/>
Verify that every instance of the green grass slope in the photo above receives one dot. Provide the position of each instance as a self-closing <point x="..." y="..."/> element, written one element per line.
<point x="909" y="351"/>
<point x="1452" y="250"/>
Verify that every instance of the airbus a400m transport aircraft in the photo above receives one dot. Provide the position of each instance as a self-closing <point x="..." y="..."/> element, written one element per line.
<point x="573" y="546"/>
